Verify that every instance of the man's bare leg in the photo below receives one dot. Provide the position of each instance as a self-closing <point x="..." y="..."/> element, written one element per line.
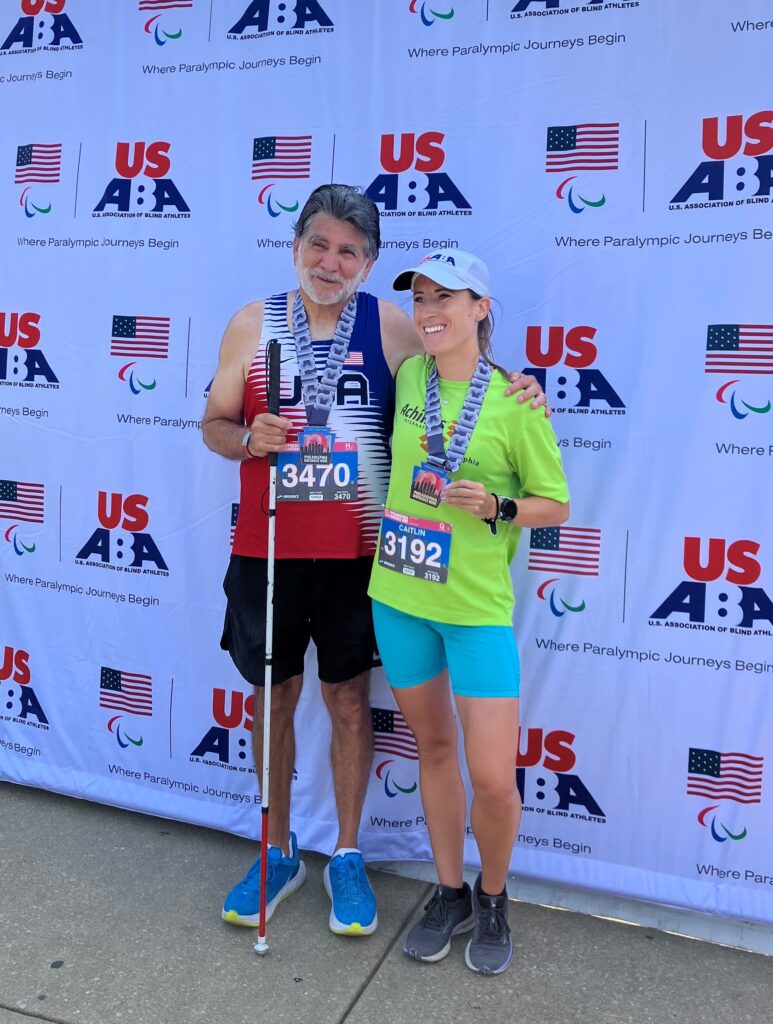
<point x="351" y="751"/>
<point x="284" y="700"/>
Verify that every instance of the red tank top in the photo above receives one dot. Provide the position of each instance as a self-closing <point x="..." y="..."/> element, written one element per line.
<point x="363" y="412"/>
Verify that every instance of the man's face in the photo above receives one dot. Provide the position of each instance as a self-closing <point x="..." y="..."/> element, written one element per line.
<point x="330" y="260"/>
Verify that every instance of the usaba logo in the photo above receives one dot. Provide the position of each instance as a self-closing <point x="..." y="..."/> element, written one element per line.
<point x="23" y="503"/>
<point x="37" y="163"/>
<point x="547" y="781"/>
<point x="122" y="541"/>
<point x="128" y="693"/>
<point x="393" y="738"/>
<point x="722" y="778"/>
<point x="158" y="24"/>
<point x="412" y="182"/>
<point x="280" y="158"/>
<point x="262" y="18"/>
<point x="22" y="705"/>
<point x="226" y="744"/>
<point x="144" y="187"/>
<point x="43" y="25"/>
<point x="585" y="148"/>
<point x="719" y="594"/>
<point x="738" y="168"/>
<point x="563" y="551"/>
<point x="22" y="363"/>
<point x="740" y="351"/>
<point x="139" y="338"/>
<point x="579" y="386"/>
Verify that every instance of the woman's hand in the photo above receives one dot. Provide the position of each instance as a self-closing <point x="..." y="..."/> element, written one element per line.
<point x="472" y="497"/>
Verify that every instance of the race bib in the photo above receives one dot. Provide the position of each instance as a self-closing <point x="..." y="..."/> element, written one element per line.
<point x="335" y="480"/>
<point x="415" y="547"/>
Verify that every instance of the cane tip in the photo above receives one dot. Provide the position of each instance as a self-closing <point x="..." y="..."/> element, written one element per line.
<point x="261" y="947"/>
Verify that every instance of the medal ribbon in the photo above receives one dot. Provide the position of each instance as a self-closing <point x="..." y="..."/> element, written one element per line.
<point x="452" y="459"/>
<point x="319" y="392"/>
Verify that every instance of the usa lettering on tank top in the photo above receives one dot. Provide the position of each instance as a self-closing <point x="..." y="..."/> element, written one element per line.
<point x="363" y="411"/>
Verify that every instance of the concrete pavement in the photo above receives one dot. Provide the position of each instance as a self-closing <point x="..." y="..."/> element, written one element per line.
<point x="111" y="917"/>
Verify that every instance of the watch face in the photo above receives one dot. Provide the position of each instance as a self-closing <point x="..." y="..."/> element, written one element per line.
<point x="509" y="510"/>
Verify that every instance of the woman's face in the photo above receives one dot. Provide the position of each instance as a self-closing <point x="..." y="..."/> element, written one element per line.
<point x="447" y="320"/>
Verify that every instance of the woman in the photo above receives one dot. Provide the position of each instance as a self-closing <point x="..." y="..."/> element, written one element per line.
<point x="469" y="470"/>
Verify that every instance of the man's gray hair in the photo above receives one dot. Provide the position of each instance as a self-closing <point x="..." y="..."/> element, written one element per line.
<point x="347" y="203"/>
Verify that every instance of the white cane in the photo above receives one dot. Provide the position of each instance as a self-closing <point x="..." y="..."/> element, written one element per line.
<point x="273" y="352"/>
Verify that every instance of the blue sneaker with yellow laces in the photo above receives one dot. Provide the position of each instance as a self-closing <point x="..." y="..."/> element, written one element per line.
<point x="354" y="903"/>
<point x="283" y="876"/>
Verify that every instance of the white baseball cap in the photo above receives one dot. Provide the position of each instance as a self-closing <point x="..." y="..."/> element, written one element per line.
<point x="452" y="269"/>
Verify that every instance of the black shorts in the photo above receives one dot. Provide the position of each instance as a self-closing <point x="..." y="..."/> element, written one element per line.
<point x="324" y="600"/>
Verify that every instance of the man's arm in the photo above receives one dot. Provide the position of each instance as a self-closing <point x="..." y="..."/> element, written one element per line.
<point x="400" y="338"/>
<point x="223" y="425"/>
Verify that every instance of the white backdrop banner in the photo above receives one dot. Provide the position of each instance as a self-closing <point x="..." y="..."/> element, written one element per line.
<point x="613" y="162"/>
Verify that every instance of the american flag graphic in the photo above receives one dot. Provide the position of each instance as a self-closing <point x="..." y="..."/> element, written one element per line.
<point x="739" y="348"/>
<point x="392" y="735"/>
<point x="22" y="502"/>
<point x="145" y="337"/>
<point x="281" y="156"/>
<point x="38" y="162"/>
<point x="354" y="359"/>
<point x="571" y="550"/>
<point x="583" y="147"/>
<point x="163" y="5"/>
<point x="130" y="692"/>
<point x="733" y="776"/>
<point x="234" y="517"/>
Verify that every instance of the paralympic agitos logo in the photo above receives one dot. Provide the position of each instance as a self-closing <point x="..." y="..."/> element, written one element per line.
<point x="144" y="187"/>
<point x="22" y="363"/>
<point x="44" y="25"/>
<point x="739" y="164"/>
<point x="21" y="702"/>
<point x="578" y="385"/>
<point x="122" y="541"/>
<point x="412" y="182"/>
<point x="720" y="594"/>
<point x="272" y="17"/>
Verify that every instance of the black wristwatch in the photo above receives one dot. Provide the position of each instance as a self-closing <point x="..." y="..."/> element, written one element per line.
<point x="507" y="510"/>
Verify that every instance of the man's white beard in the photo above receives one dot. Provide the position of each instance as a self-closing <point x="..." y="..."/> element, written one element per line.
<point x="306" y="279"/>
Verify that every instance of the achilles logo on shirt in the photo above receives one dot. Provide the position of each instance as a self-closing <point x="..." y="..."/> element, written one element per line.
<point x="122" y="540"/>
<point x="226" y="744"/>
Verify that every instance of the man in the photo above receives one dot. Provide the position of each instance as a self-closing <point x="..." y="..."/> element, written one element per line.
<point x="341" y="349"/>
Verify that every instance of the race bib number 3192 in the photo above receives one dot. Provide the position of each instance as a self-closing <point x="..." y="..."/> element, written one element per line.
<point x="334" y="481"/>
<point x="415" y="547"/>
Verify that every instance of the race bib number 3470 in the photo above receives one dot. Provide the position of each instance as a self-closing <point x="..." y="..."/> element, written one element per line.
<point x="334" y="481"/>
<point x="415" y="547"/>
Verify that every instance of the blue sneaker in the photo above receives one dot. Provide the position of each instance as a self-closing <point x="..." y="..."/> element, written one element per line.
<point x="283" y="876"/>
<point x="354" y="903"/>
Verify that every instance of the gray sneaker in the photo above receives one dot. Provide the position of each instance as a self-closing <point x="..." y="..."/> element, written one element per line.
<point x="446" y="915"/>
<point x="490" y="949"/>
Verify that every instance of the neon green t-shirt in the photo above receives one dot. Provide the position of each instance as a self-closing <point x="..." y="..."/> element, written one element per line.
<point x="513" y="452"/>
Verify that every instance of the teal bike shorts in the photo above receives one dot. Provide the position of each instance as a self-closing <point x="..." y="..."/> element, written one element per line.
<point x="482" y="661"/>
